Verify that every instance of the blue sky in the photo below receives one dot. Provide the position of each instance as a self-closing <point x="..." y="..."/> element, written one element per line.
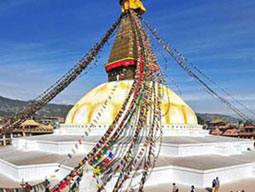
<point x="41" y="40"/>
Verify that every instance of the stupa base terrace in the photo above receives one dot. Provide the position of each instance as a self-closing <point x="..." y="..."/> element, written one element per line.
<point x="189" y="157"/>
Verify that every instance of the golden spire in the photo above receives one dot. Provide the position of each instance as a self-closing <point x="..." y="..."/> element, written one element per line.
<point x="136" y="5"/>
<point x="123" y="58"/>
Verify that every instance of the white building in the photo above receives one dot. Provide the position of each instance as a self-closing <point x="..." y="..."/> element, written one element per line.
<point x="189" y="154"/>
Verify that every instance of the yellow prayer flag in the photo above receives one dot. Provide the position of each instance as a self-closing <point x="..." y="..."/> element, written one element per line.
<point x="95" y="171"/>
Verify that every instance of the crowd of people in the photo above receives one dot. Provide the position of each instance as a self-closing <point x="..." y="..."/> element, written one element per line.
<point x="28" y="188"/>
<point x="215" y="187"/>
<point x="176" y="189"/>
<point x="238" y="191"/>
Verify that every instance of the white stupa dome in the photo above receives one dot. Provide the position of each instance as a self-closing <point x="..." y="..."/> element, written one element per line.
<point x="175" y="110"/>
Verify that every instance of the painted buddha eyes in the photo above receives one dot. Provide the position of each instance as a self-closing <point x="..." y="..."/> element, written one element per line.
<point x="122" y="72"/>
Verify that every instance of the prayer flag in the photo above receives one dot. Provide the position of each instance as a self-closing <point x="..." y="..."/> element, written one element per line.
<point x="95" y="171"/>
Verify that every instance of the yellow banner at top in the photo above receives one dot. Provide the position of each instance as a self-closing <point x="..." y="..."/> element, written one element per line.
<point x="133" y="4"/>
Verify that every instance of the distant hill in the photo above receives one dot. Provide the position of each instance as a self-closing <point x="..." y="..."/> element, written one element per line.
<point x="9" y="106"/>
<point x="209" y="117"/>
